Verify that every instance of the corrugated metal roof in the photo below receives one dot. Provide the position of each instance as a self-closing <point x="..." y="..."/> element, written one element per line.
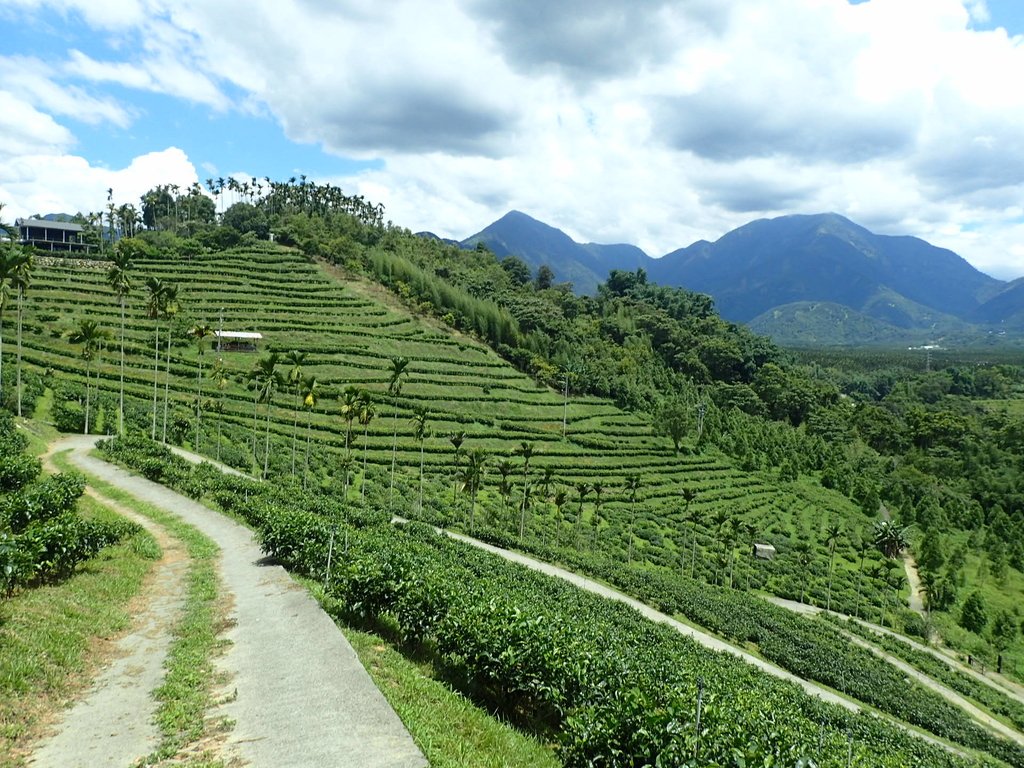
<point x="67" y="226"/>
<point x="238" y="335"/>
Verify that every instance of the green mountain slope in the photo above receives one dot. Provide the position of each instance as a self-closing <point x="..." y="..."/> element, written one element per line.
<point x="349" y="329"/>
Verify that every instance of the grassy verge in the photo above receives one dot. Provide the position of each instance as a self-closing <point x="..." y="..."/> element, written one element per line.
<point x="53" y="637"/>
<point x="451" y="730"/>
<point x="187" y="692"/>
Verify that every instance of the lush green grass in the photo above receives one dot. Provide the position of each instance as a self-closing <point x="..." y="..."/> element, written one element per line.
<point x="187" y="692"/>
<point x="53" y="637"/>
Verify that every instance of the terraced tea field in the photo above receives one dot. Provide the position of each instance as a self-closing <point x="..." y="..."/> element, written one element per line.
<point x="349" y="330"/>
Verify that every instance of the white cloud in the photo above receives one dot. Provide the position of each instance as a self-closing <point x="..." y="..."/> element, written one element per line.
<point x="65" y="183"/>
<point x="657" y="123"/>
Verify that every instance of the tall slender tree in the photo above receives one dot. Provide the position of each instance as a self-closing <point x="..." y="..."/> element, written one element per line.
<point x="350" y="404"/>
<point x="526" y="451"/>
<point x="92" y="338"/>
<point x="366" y="414"/>
<point x="420" y="431"/>
<point x="293" y="378"/>
<point x="309" y="401"/>
<point x="221" y="379"/>
<point x="168" y="312"/>
<point x="598" y="488"/>
<point x="832" y="534"/>
<point x="270" y="380"/>
<point x="156" y="296"/>
<point x="582" y="489"/>
<point x="200" y="332"/>
<point x="632" y="487"/>
<point x="21" y="280"/>
<point x="119" y="280"/>
<point x="456" y="439"/>
<point x="11" y="261"/>
<point x="399" y="369"/>
<point x="472" y="476"/>
<point x="691" y="516"/>
<point x="559" y="500"/>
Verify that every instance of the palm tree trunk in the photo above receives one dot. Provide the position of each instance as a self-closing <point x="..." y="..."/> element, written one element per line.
<point x="1" y="357"/>
<point x="87" y="369"/>
<point x="295" y="427"/>
<point x="421" y="475"/>
<point x="632" y="521"/>
<point x="831" y="572"/>
<point x="21" y="296"/>
<point x="167" y="380"/>
<point x="199" y="400"/>
<point x="255" y="416"/>
<point x="120" y="407"/>
<point x="394" y="456"/>
<point x="305" y="471"/>
<point x="156" y="377"/>
<point x="362" y="484"/>
<point x="693" y="551"/>
<point x="266" y="443"/>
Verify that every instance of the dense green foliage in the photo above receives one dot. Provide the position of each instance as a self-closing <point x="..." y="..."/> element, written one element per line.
<point x="615" y="689"/>
<point x="42" y="538"/>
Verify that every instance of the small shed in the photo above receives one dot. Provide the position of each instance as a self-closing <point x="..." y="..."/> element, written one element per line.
<point x="237" y="341"/>
<point x="764" y="552"/>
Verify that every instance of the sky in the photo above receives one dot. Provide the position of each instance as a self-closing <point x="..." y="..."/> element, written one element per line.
<point x="652" y="122"/>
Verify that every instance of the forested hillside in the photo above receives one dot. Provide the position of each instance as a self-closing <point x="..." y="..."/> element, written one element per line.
<point x="636" y="425"/>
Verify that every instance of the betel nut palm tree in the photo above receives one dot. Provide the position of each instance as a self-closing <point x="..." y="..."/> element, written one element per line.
<point x="399" y="369"/>
<point x="366" y="414"/>
<point x="12" y="261"/>
<point x="119" y="280"/>
<point x="420" y="432"/>
<point x="294" y="360"/>
<point x="92" y="338"/>
<point x="308" y="391"/>
<point x="156" y="296"/>
<point x="169" y="312"/>
<point x="21" y="279"/>
<point x="199" y="332"/>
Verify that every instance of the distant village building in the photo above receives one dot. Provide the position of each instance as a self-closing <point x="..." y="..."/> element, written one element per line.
<point x="764" y="552"/>
<point x="52" y="235"/>
<point x="237" y="341"/>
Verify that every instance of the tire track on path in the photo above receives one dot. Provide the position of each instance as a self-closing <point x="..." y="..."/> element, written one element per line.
<point x="112" y="724"/>
<point x="300" y="697"/>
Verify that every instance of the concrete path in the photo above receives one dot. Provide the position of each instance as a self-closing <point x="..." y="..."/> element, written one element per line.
<point x="113" y="723"/>
<point x="300" y="696"/>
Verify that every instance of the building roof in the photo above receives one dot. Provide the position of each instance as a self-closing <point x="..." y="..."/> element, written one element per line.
<point x="69" y="226"/>
<point x="248" y="335"/>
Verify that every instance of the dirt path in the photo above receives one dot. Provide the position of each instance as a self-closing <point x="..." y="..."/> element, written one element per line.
<point x="916" y="601"/>
<point x="947" y="693"/>
<point x="299" y="695"/>
<point x="997" y="683"/>
<point x="112" y="724"/>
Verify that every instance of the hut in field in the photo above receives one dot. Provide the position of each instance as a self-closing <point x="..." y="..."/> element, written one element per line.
<point x="237" y="341"/>
<point x="764" y="552"/>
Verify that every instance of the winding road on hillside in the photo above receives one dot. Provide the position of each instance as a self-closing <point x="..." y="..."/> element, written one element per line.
<point x="299" y="695"/>
<point x="703" y="638"/>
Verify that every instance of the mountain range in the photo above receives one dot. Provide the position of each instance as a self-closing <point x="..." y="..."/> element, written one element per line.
<point x="802" y="279"/>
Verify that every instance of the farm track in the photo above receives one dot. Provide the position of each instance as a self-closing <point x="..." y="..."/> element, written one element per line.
<point x="299" y="695"/>
<point x="950" y="695"/>
<point x="112" y="724"/>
